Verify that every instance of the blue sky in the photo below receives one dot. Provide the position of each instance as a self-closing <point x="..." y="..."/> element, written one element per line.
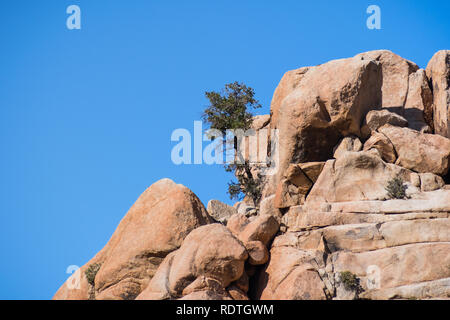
<point x="86" y="115"/>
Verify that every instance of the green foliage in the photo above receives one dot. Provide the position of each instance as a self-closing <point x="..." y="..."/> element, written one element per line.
<point x="247" y="184"/>
<point x="91" y="272"/>
<point x="229" y="110"/>
<point x="350" y="281"/>
<point x="396" y="188"/>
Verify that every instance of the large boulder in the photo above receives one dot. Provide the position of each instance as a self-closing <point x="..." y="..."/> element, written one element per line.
<point x="381" y="143"/>
<point x="357" y="176"/>
<point x="419" y="152"/>
<point x="438" y="72"/>
<point x="347" y="144"/>
<point x="292" y="275"/>
<point x="419" y="103"/>
<point x="378" y="118"/>
<point x="220" y="211"/>
<point x="209" y="260"/>
<point x="395" y="72"/>
<point x="330" y="102"/>
<point x="288" y="83"/>
<point x="154" y="226"/>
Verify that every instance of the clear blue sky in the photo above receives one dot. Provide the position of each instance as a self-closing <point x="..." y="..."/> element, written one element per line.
<point x="86" y="115"/>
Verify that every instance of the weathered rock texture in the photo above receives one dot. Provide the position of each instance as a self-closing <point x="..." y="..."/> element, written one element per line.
<point x="154" y="226"/>
<point x="438" y="72"/>
<point x="327" y="227"/>
<point x="209" y="260"/>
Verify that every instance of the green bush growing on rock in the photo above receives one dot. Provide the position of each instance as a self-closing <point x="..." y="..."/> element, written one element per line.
<point x="91" y="272"/>
<point x="350" y="281"/>
<point x="396" y="188"/>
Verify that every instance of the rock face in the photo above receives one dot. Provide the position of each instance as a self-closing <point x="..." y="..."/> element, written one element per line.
<point x="347" y="144"/>
<point x="393" y="248"/>
<point x="377" y="118"/>
<point x="383" y="145"/>
<point x="288" y="83"/>
<point x="438" y="72"/>
<point x="419" y="104"/>
<point x="357" y="176"/>
<point x="154" y="226"/>
<point x="359" y="207"/>
<point x="419" y="152"/>
<point x="220" y="211"/>
<point x="328" y="106"/>
<point x="395" y="72"/>
<point x="209" y="260"/>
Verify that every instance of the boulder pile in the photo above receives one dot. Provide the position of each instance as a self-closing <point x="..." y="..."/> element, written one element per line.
<point x="358" y="209"/>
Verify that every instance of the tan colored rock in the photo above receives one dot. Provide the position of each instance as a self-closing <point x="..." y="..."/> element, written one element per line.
<point x="257" y="253"/>
<point x="158" y="288"/>
<point x="237" y="223"/>
<point x="297" y="177"/>
<point x="356" y="176"/>
<point x="435" y="201"/>
<point x="347" y="144"/>
<point x="419" y="152"/>
<point x="382" y="144"/>
<point x="377" y="118"/>
<point x="419" y="103"/>
<point x="267" y="207"/>
<point x="154" y="226"/>
<point x="398" y="233"/>
<point x="312" y="169"/>
<point x="206" y="295"/>
<point x="291" y="275"/>
<point x="203" y="283"/>
<point x="243" y="282"/>
<point x="288" y="83"/>
<point x="287" y="195"/>
<point x="396" y="71"/>
<point x="330" y="102"/>
<point x="370" y="236"/>
<point x="220" y="211"/>
<point x="417" y="291"/>
<point x="260" y="121"/>
<point x="208" y="261"/>
<point x="263" y="229"/>
<point x="430" y="182"/>
<point x="301" y="219"/>
<point x="236" y="293"/>
<point x="398" y="266"/>
<point x="438" y="72"/>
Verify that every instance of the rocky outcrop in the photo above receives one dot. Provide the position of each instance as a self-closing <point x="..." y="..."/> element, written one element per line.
<point x="359" y="206"/>
<point x="154" y="226"/>
<point x="419" y="103"/>
<point x="209" y="260"/>
<point x="220" y="211"/>
<point x="377" y="118"/>
<point x="358" y="176"/>
<point x="392" y="248"/>
<point x="383" y="145"/>
<point x="418" y="151"/>
<point x="438" y="72"/>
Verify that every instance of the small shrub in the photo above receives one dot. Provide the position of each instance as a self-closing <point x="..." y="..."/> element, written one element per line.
<point x="91" y="272"/>
<point x="350" y="281"/>
<point x="396" y="188"/>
